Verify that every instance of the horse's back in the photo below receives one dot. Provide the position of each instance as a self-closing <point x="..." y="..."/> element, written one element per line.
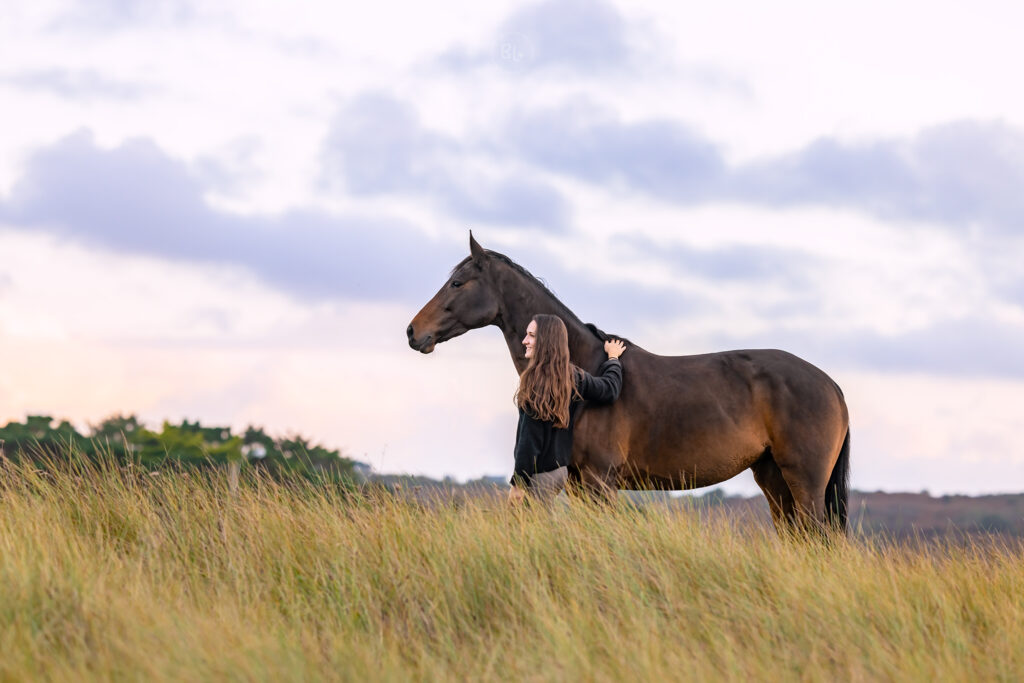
<point x="749" y="371"/>
<point x="780" y="387"/>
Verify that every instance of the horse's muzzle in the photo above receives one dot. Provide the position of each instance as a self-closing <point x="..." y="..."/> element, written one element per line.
<point x="424" y="345"/>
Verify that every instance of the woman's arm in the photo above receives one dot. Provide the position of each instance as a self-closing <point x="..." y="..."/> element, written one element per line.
<point x="606" y="385"/>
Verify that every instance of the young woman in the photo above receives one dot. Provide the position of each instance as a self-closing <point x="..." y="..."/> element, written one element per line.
<point x="551" y="391"/>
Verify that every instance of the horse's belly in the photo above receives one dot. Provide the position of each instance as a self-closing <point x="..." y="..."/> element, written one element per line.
<point x="682" y="472"/>
<point x="671" y="458"/>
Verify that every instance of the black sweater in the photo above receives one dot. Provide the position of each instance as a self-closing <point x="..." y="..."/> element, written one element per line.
<point x="542" y="447"/>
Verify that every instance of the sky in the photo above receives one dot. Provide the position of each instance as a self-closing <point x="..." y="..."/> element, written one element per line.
<point x="230" y="212"/>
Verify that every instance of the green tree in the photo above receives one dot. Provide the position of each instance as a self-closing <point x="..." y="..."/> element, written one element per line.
<point x="126" y="439"/>
<point x="37" y="438"/>
<point x="114" y="435"/>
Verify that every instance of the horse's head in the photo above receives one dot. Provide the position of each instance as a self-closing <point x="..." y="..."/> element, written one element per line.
<point x="468" y="300"/>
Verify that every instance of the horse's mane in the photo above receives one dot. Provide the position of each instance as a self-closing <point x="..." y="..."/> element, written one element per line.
<point x="604" y="336"/>
<point x="597" y="332"/>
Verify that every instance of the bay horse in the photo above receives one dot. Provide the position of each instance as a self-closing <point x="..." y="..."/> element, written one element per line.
<point x="681" y="421"/>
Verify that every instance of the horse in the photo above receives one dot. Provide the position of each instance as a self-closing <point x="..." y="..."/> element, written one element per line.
<point x="680" y="422"/>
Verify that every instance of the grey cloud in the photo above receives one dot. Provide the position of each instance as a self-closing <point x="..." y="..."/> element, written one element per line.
<point x="1013" y="291"/>
<point x="231" y="166"/>
<point x="615" y="307"/>
<point x="828" y="172"/>
<point x="510" y="201"/>
<point x="999" y="260"/>
<point x="619" y="308"/>
<point x="662" y="158"/>
<point x="136" y="199"/>
<point x="113" y="14"/>
<point x="132" y="195"/>
<point x="970" y="347"/>
<point x="961" y="174"/>
<point x="973" y="347"/>
<point x="957" y="174"/>
<point x="77" y="84"/>
<point x="584" y="35"/>
<point x="736" y="263"/>
<point x="376" y="145"/>
<point x="965" y="348"/>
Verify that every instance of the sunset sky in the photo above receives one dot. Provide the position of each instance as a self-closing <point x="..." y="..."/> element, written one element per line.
<point x="230" y="211"/>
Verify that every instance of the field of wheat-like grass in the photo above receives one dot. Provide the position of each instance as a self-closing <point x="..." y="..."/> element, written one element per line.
<point x="109" y="573"/>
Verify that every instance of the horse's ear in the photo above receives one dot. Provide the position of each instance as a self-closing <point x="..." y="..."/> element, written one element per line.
<point x="477" y="252"/>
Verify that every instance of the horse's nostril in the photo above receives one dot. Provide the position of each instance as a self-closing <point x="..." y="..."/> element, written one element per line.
<point x="408" y="332"/>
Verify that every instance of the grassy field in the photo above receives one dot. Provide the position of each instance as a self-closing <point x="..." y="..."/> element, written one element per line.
<point x="110" y="574"/>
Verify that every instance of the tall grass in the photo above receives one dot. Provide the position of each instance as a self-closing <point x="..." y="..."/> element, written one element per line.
<point x="107" y="572"/>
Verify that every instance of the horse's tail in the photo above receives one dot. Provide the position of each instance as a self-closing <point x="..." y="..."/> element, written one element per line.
<point x="837" y="492"/>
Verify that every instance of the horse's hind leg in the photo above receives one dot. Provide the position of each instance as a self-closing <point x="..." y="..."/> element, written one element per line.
<point x="806" y="478"/>
<point x="780" y="499"/>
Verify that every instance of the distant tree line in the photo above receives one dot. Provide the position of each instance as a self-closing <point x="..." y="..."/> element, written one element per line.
<point x="124" y="439"/>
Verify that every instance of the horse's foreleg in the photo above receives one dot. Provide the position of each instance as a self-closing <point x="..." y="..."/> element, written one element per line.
<point x="585" y="484"/>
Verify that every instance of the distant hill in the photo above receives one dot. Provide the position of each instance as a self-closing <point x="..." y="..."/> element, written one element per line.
<point x="911" y="515"/>
<point x="920" y="513"/>
<point x="899" y="516"/>
<point x="902" y="516"/>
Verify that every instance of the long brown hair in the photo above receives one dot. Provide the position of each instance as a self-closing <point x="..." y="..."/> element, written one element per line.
<point x="548" y="384"/>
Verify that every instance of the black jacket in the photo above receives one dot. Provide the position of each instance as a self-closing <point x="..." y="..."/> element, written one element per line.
<point x="542" y="447"/>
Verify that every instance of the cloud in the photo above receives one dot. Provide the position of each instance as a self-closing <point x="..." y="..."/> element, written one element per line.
<point x="232" y="166"/>
<point x="77" y="84"/>
<point x="959" y="174"/>
<point x="617" y="307"/>
<point x="659" y="157"/>
<point x="970" y="347"/>
<point x="135" y="199"/>
<point x="580" y="35"/>
<point x="507" y="201"/>
<point x="585" y="38"/>
<point x="967" y="347"/>
<point x="1012" y="291"/>
<point x="114" y="14"/>
<point x="376" y="146"/>
<point x="956" y="174"/>
<point x="735" y="263"/>
<point x="973" y="347"/>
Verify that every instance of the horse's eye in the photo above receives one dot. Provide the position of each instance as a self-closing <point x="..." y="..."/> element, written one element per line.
<point x="456" y="283"/>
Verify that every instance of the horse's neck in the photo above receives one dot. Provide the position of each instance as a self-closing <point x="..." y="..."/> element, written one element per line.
<point x="523" y="299"/>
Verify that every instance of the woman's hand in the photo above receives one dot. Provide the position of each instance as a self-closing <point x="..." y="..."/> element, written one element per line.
<point x="614" y="348"/>
<point x="516" y="496"/>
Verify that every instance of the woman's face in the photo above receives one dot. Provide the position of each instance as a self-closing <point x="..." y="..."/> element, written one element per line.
<point x="531" y="338"/>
